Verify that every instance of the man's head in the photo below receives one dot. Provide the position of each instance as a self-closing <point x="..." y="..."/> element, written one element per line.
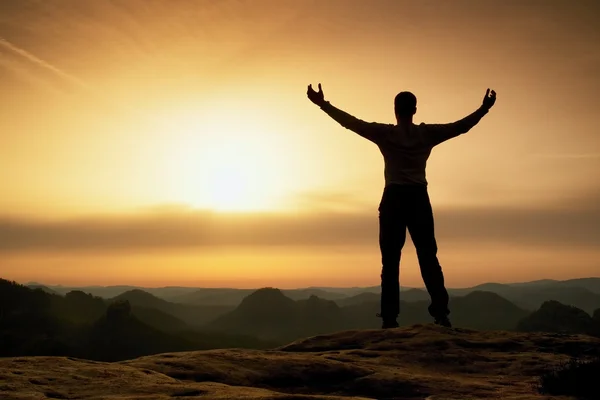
<point x="405" y="105"/>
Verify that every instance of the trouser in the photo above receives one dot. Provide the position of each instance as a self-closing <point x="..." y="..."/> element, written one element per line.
<point x="402" y="207"/>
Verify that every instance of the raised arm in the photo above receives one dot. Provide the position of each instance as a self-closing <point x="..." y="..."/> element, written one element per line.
<point x="439" y="133"/>
<point x="368" y="130"/>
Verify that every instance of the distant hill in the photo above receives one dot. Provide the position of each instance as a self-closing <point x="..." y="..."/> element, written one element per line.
<point x="499" y="288"/>
<point x="485" y="311"/>
<point x="413" y="295"/>
<point x="105" y="292"/>
<point x="303" y="294"/>
<point x="553" y="316"/>
<point x="362" y="315"/>
<point x="41" y="287"/>
<point x="348" y="291"/>
<point x="532" y="297"/>
<point x="268" y="313"/>
<point x="579" y="297"/>
<point x="408" y="295"/>
<point x="580" y="293"/>
<point x="33" y="322"/>
<point x="28" y="325"/>
<point x="190" y="314"/>
<point x="527" y="295"/>
<point x="591" y="284"/>
<point x="158" y="319"/>
<point x="477" y="310"/>
<point x="170" y="292"/>
<point x="81" y="325"/>
<point x="79" y="307"/>
<point x="317" y="316"/>
<point x="353" y="291"/>
<point x="213" y="297"/>
<point x="119" y="335"/>
<point x="108" y="292"/>
<point x="232" y="297"/>
<point x="540" y="282"/>
<point x="139" y="297"/>
<point x="365" y="297"/>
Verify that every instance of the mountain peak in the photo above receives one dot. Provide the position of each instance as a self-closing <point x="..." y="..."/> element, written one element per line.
<point x="266" y="298"/>
<point x="138" y="294"/>
<point x="553" y="316"/>
<point x="485" y="295"/>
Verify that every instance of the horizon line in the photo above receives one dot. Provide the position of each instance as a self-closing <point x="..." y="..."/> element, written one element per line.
<point x="294" y="288"/>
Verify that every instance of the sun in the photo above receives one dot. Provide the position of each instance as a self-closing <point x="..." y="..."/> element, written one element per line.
<point x="232" y="163"/>
<point x="239" y="176"/>
<point x="229" y="190"/>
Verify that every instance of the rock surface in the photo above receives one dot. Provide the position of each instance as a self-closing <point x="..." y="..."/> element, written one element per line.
<point x="419" y="362"/>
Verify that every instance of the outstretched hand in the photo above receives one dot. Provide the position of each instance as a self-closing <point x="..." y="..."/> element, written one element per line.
<point x="316" y="97"/>
<point x="489" y="100"/>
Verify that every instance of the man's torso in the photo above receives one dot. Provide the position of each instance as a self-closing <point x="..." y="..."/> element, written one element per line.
<point x="405" y="153"/>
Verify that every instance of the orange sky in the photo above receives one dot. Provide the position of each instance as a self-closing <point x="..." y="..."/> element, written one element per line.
<point x="153" y="142"/>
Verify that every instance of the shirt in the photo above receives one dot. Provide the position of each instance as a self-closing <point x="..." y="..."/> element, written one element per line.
<point x="405" y="150"/>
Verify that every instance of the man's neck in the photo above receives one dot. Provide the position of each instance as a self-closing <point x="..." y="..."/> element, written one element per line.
<point x="404" y="121"/>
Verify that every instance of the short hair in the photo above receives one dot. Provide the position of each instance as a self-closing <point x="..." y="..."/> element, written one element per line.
<point x="405" y="104"/>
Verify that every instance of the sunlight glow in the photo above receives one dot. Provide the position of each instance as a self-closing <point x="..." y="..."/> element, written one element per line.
<point x="228" y="160"/>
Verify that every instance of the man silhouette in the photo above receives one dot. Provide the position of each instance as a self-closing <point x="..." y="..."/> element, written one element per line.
<point x="405" y="201"/>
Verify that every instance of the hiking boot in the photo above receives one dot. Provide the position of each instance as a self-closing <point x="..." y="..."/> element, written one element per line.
<point x="443" y="321"/>
<point x="388" y="322"/>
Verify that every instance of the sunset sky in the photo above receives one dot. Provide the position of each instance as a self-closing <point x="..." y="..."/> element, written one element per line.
<point x="159" y="143"/>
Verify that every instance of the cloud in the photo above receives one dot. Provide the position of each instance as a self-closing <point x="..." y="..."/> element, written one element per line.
<point x="42" y="73"/>
<point x="570" y="156"/>
<point x="571" y="225"/>
<point x="32" y="58"/>
<point x="328" y="200"/>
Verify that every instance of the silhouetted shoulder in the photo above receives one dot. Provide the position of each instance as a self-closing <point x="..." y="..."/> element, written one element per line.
<point x="438" y="133"/>
<point x="375" y="132"/>
<point x="398" y="137"/>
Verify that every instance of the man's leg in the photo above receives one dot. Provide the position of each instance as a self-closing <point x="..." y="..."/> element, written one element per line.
<point x="392" y="234"/>
<point x="421" y="228"/>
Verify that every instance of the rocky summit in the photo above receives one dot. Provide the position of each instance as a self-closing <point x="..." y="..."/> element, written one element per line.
<point x="418" y="362"/>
